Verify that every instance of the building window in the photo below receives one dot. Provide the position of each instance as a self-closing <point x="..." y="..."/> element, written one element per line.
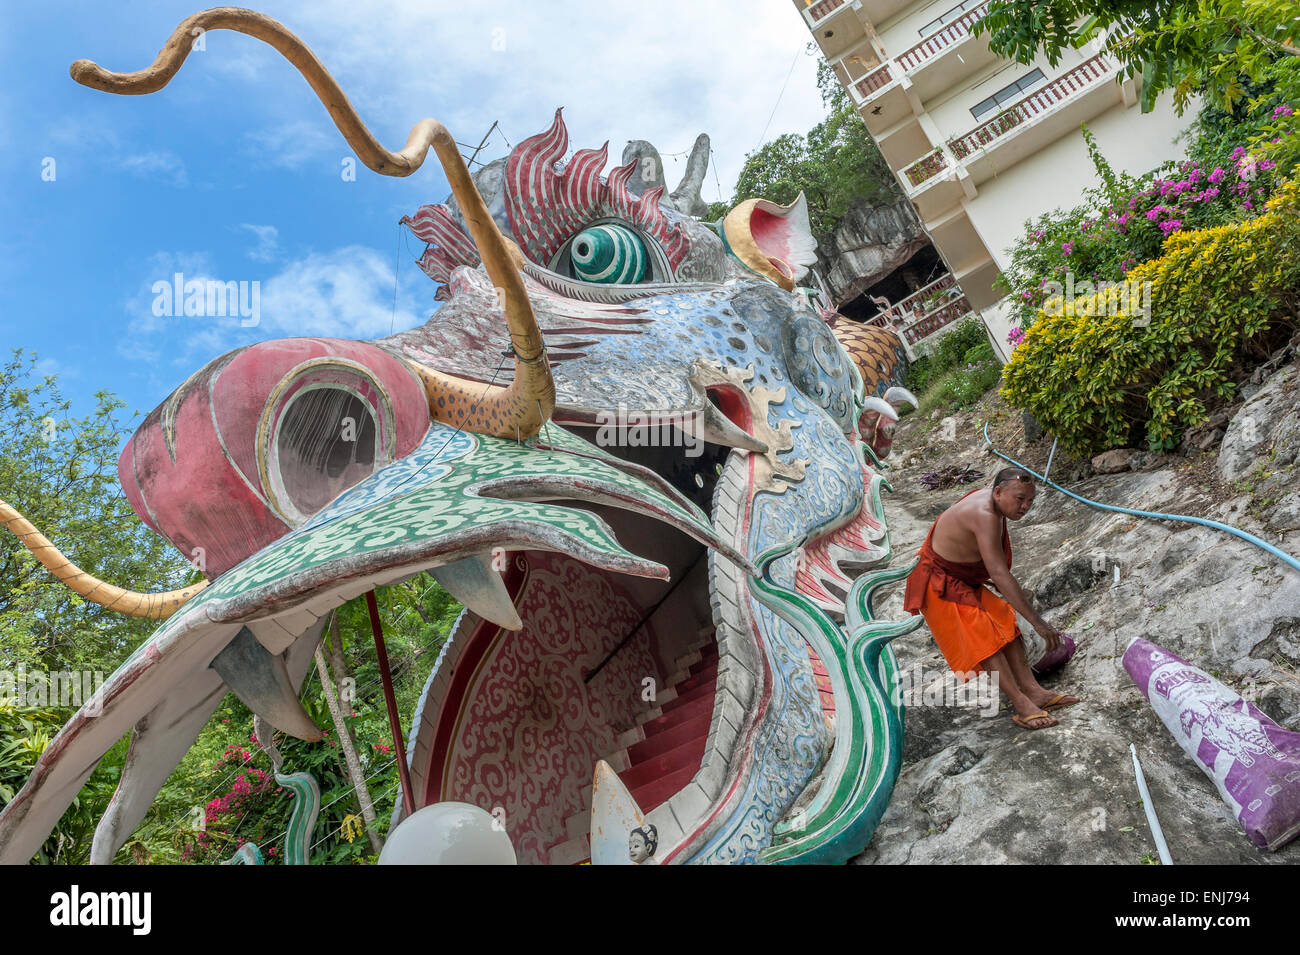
<point x="1007" y="94"/>
<point x="934" y="26"/>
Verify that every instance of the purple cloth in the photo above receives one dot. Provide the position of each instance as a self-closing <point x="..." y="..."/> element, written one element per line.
<point x="1254" y="762"/>
<point x="1056" y="658"/>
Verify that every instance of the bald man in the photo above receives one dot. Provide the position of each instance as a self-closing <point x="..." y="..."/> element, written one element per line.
<point x="968" y="546"/>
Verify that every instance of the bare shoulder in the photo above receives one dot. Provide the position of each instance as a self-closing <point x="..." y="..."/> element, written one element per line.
<point x="959" y="529"/>
<point x="977" y="516"/>
<point x="975" y="511"/>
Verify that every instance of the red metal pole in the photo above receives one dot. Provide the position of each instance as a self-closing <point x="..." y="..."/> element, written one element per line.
<point x="403" y="771"/>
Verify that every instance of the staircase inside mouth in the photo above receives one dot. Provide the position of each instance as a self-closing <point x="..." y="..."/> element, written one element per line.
<point x="662" y="753"/>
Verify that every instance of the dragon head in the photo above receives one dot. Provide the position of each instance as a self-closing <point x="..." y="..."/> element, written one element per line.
<point x="642" y="457"/>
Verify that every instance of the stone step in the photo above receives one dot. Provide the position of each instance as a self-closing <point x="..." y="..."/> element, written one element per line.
<point x="680" y="714"/>
<point x="571" y="851"/>
<point x="629" y="738"/>
<point x="656" y="793"/>
<point x="706" y="676"/>
<point x="670" y="738"/>
<point x="704" y="690"/>
<point x="685" y="755"/>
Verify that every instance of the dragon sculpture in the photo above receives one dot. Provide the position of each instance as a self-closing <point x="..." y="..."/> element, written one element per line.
<point x="513" y="447"/>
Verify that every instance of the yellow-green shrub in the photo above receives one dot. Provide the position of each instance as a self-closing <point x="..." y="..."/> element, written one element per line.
<point x="1219" y="297"/>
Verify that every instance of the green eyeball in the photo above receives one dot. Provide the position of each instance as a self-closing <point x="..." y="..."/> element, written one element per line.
<point x="608" y="254"/>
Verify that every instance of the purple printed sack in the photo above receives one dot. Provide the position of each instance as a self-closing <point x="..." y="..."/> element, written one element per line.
<point x="1040" y="660"/>
<point x="1254" y="762"/>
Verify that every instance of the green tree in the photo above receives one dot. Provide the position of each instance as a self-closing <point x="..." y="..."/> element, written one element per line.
<point x="836" y="165"/>
<point x="1185" y="45"/>
<point x="227" y="778"/>
<point x="60" y="472"/>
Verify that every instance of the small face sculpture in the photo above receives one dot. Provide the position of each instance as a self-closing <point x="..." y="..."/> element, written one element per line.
<point x="641" y="844"/>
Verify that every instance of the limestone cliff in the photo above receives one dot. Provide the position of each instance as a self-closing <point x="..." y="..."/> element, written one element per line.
<point x="868" y="244"/>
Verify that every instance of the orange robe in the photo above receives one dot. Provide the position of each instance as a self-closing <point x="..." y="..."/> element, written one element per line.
<point x="969" y="622"/>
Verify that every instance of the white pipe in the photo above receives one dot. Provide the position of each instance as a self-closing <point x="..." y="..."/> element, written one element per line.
<point x="1156" y="832"/>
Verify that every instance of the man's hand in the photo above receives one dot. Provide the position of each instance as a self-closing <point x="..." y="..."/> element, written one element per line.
<point x="1051" y="635"/>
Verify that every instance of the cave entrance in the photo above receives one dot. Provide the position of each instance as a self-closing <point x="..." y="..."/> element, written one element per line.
<point x="916" y="273"/>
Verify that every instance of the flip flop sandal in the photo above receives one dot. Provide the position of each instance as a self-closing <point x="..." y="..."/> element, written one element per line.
<point x="1055" y="702"/>
<point x="1023" y="721"/>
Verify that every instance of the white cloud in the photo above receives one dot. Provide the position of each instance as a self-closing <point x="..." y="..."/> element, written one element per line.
<point x="293" y="143"/>
<point x="52" y="366"/>
<point x="164" y="166"/>
<point x="94" y="134"/>
<point x="148" y="336"/>
<point x="662" y="72"/>
<point x="345" y="293"/>
<point x="267" y="242"/>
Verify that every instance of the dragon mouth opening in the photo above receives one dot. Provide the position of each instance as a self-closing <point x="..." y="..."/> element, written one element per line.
<point x="607" y="666"/>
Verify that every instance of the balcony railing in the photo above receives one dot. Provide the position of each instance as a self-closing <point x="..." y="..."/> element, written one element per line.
<point x="909" y="309"/>
<point x="941" y="318"/>
<point x="936" y="43"/>
<point x="873" y="81"/>
<point x="1035" y="104"/>
<point x="822" y="9"/>
<point x="926" y="167"/>
<point x="925" y="311"/>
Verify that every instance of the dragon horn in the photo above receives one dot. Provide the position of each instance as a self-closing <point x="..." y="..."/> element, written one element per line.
<point x="129" y="602"/>
<point x="686" y="197"/>
<point x="519" y="410"/>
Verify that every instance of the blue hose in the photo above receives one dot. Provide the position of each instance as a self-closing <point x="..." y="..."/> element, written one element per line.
<point x="1235" y="531"/>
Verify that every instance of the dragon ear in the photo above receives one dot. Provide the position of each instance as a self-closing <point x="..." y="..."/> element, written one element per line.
<point x="773" y="240"/>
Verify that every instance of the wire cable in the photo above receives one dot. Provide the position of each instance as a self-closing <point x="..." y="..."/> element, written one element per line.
<point x="1156" y="515"/>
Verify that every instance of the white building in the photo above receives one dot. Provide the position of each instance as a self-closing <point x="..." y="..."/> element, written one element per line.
<point x="978" y="143"/>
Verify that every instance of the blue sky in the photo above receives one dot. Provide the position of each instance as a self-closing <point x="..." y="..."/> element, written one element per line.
<point x="233" y="171"/>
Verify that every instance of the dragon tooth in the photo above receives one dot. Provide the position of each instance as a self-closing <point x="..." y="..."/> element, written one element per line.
<point x="261" y="681"/>
<point x="880" y="406"/>
<point x="614" y="816"/>
<point x="475" y="584"/>
<point x="716" y="428"/>
<point x="897" y="395"/>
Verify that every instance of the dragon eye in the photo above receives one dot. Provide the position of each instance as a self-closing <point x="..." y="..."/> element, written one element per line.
<point x="608" y="254"/>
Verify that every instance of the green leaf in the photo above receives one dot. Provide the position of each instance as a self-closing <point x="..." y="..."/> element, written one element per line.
<point x="1149" y="89"/>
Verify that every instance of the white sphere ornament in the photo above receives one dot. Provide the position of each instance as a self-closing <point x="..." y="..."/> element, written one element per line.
<point x="449" y="833"/>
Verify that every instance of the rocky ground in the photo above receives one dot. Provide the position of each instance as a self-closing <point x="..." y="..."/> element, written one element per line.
<point x="978" y="789"/>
